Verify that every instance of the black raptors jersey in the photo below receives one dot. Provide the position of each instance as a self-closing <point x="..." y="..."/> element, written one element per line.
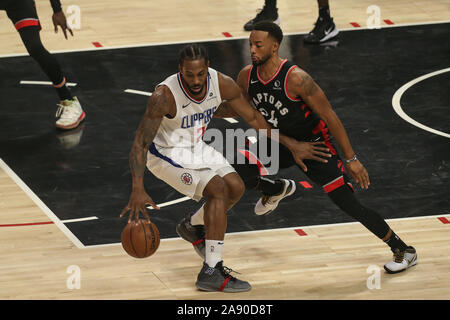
<point x="288" y="114"/>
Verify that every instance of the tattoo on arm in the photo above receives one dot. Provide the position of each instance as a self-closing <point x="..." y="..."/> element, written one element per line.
<point x="156" y="109"/>
<point x="308" y="85"/>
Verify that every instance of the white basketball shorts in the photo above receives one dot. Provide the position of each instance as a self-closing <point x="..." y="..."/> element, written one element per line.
<point x="187" y="170"/>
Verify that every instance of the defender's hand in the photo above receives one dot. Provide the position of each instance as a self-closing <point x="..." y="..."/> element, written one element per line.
<point x="359" y="173"/>
<point x="309" y="150"/>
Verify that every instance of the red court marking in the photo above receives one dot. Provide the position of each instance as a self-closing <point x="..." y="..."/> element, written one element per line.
<point x="97" y="44"/>
<point x="305" y="184"/>
<point x="444" y="220"/>
<point x="301" y="232"/>
<point x="25" y="224"/>
<point x="356" y="25"/>
<point x="387" y="21"/>
<point x="227" y="34"/>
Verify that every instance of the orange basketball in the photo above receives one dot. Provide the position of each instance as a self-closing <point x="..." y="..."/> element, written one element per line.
<point x="140" y="240"/>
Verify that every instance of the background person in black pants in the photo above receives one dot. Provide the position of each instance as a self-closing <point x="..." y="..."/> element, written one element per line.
<point x="24" y="16"/>
<point x="324" y="28"/>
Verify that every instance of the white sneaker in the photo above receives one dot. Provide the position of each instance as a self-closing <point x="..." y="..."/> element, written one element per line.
<point x="266" y="204"/>
<point x="402" y="260"/>
<point x="69" y="114"/>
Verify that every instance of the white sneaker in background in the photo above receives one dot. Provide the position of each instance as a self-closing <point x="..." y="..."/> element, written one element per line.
<point x="69" y="114"/>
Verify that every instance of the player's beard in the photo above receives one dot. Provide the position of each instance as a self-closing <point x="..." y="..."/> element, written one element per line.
<point x="261" y="61"/>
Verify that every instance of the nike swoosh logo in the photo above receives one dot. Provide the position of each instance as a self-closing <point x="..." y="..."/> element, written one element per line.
<point x="186" y="105"/>
<point x="252" y="82"/>
<point x="328" y="31"/>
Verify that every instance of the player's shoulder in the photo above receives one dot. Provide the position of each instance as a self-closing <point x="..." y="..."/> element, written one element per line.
<point x="247" y="68"/>
<point x="296" y="74"/>
<point x="244" y="75"/>
<point x="162" y="94"/>
<point x="227" y="86"/>
<point x="224" y="80"/>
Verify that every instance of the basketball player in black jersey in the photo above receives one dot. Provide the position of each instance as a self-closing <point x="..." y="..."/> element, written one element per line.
<point x="292" y="102"/>
<point x="24" y="16"/>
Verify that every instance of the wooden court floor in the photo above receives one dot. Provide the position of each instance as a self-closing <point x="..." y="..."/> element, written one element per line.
<point x="331" y="262"/>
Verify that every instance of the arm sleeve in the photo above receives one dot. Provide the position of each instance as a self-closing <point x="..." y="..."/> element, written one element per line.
<point x="56" y="5"/>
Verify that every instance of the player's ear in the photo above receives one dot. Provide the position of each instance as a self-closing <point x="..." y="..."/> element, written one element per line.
<point x="275" y="46"/>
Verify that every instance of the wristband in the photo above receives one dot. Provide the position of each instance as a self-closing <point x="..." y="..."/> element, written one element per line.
<point x="352" y="159"/>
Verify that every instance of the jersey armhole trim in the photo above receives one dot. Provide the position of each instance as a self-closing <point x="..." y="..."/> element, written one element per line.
<point x="248" y="77"/>
<point x="285" y="85"/>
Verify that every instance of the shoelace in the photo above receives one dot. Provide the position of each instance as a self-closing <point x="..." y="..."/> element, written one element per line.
<point x="66" y="112"/>
<point x="399" y="256"/>
<point x="226" y="272"/>
<point x="265" y="200"/>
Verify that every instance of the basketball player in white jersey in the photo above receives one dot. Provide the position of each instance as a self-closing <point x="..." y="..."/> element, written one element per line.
<point x="168" y="142"/>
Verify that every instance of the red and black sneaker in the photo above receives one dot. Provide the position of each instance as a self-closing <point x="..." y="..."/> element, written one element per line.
<point x="219" y="279"/>
<point x="193" y="234"/>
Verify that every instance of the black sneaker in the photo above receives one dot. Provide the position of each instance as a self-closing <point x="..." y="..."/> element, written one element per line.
<point x="263" y="15"/>
<point x="193" y="234"/>
<point x="219" y="279"/>
<point x="324" y="30"/>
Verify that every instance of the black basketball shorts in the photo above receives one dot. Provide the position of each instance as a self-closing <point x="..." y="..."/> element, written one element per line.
<point x="329" y="176"/>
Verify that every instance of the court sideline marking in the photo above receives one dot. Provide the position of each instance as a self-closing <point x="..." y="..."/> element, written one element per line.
<point x="12" y="55"/>
<point x="443" y="215"/>
<point x="41" y="204"/>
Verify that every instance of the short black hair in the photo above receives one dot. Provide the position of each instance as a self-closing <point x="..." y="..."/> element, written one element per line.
<point x="272" y="28"/>
<point x="193" y="52"/>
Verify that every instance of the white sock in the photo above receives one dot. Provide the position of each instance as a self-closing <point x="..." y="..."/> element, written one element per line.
<point x="197" y="217"/>
<point x="213" y="252"/>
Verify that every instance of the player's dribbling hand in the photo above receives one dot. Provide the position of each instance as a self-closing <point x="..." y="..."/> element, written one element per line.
<point x="138" y="202"/>
<point x="317" y="151"/>
<point x="59" y="19"/>
<point x="359" y="173"/>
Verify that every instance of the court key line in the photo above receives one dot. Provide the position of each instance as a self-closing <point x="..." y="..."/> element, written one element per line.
<point x="398" y="108"/>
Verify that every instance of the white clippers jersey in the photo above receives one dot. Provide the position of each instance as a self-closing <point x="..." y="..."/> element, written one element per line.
<point x="187" y="127"/>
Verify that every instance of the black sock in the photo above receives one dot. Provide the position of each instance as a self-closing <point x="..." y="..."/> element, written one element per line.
<point x="271" y="5"/>
<point x="324" y="12"/>
<point x="64" y="93"/>
<point x="395" y="242"/>
<point x="270" y="187"/>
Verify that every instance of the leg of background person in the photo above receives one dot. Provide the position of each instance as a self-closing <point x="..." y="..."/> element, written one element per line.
<point x="48" y="63"/>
